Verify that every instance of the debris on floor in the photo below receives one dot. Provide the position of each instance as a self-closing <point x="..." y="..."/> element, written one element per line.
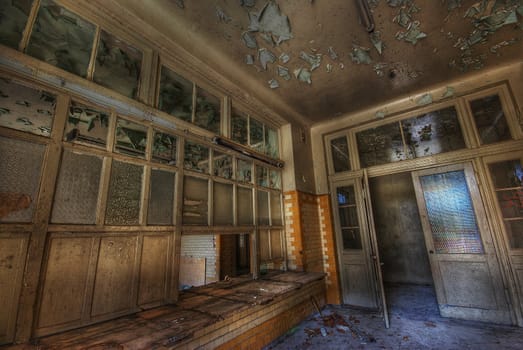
<point x="303" y="74"/>
<point x="360" y="55"/>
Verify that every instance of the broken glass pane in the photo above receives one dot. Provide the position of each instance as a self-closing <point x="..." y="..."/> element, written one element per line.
<point x="161" y="198"/>
<point x="76" y="197"/>
<point x="131" y="138"/>
<point x="351" y="238"/>
<point x="195" y="198"/>
<point x="222" y="199"/>
<point x="222" y="165"/>
<point x="86" y="124"/>
<point x="118" y="65"/>
<point x="262" y="176"/>
<point x="275" y="179"/>
<point x="380" y="145"/>
<point x="256" y="134"/>
<point x="276" y="216"/>
<point x="244" y="171"/>
<point x="125" y="193"/>
<point x="196" y="157"/>
<point x="19" y="178"/>
<point x="271" y="142"/>
<point x="432" y="133"/>
<point x="239" y="131"/>
<point x="13" y="17"/>
<point x="61" y="38"/>
<point x="507" y="174"/>
<point x="263" y="208"/>
<point x="340" y="154"/>
<point x="175" y="95"/>
<point x="164" y="148"/>
<point x="207" y="113"/>
<point x="244" y="205"/>
<point x="26" y="109"/>
<point x="490" y="119"/>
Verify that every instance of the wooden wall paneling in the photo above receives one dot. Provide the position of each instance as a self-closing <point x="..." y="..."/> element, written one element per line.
<point x="66" y="284"/>
<point x="32" y="277"/>
<point x="153" y="269"/>
<point x="114" y="288"/>
<point x="13" y="249"/>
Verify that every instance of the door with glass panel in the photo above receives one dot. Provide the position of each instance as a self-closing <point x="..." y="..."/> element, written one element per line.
<point x="357" y="249"/>
<point x="464" y="265"/>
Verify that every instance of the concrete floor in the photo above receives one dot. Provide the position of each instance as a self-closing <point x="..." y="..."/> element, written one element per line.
<point x="415" y="323"/>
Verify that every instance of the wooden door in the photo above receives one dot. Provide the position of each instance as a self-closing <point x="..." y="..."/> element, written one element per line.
<point x="357" y="249"/>
<point x="464" y="265"/>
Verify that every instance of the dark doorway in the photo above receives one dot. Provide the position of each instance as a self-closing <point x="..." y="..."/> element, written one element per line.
<point x="234" y="255"/>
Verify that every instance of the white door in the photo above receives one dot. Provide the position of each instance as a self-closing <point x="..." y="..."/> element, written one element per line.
<point x="464" y="265"/>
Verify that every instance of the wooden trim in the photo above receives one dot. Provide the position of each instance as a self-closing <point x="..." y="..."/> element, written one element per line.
<point x="94" y="53"/>
<point x="31" y="19"/>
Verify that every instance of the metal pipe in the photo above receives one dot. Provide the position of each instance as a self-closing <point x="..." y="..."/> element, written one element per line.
<point x="365" y="15"/>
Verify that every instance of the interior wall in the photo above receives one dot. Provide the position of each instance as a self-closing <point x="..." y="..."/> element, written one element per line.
<point x="399" y="232"/>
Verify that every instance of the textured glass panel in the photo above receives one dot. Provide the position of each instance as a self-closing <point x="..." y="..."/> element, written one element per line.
<point x="262" y="176"/>
<point x="349" y="216"/>
<point x="222" y="204"/>
<point x="244" y="171"/>
<point x="131" y="138"/>
<point x="340" y="154"/>
<point x="265" y="253"/>
<point x="275" y="179"/>
<point x="21" y="163"/>
<point x="117" y="65"/>
<point x="13" y="17"/>
<point x="272" y="148"/>
<point x="450" y="214"/>
<point x="161" y="198"/>
<point x="351" y="238"/>
<point x="244" y="205"/>
<point x="256" y="134"/>
<point x="164" y="148"/>
<point x="239" y="128"/>
<point x="195" y="201"/>
<point x="222" y="165"/>
<point x="507" y="174"/>
<point x="207" y="113"/>
<point x="511" y="202"/>
<point x="61" y="38"/>
<point x="124" y="197"/>
<point x="86" y="124"/>
<point x="276" y="218"/>
<point x="276" y="244"/>
<point x="196" y="157"/>
<point x="380" y="145"/>
<point x="515" y="232"/>
<point x="26" y="109"/>
<point x="263" y="208"/>
<point x="346" y="195"/>
<point x="490" y="120"/>
<point x="433" y="133"/>
<point x="175" y="95"/>
<point x="76" y="197"/>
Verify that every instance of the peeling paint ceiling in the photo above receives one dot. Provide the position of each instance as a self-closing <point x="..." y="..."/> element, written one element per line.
<point x="316" y="59"/>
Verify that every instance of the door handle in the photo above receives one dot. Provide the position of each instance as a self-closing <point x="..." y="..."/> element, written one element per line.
<point x="431" y="251"/>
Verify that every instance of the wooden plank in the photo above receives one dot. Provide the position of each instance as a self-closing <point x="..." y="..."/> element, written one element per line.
<point x="192" y="271"/>
<point x="153" y="269"/>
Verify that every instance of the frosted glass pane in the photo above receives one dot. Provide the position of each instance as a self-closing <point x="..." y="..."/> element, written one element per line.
<point x="131" y="138"/>
<point x="117" y="65"/>
<point x="175" y="95"/>
<point x="450" y="214"/>
<point x="272" y="148"/>
<point x="244" y="205"/>
<point x="276" y="215"/>
<point x="490" y="119"/>
<point x="222" y="165"/>
<point x="263" y="208"/>
<point x="207" y="113"/>
<point x="196" y="157"/>
<point x="340" y="154"/>
<point x="161" y="198"/>
<point x="239" y="128"/>
<point x="76" y="196"/>
<point x="432" y="133"/>
<point x="256" y="134"/>
<point x="262" y="176"/>
<point x="13" y="17"/>
<point x="164" y="148"/>
<point x="19" y="178"/>
<point x="87" y="124"/>
<point x="380" y="145"/>
<point x="244" y="171"/>
<point x="195" y="201"/>
<point x="26" y="109"/>
<point x="125" y="192"/>
<point x="62" y="38"/>
<point x="222" y="204"/>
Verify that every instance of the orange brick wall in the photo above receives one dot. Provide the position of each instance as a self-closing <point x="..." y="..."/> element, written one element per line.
<point x="310" y="238"/>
